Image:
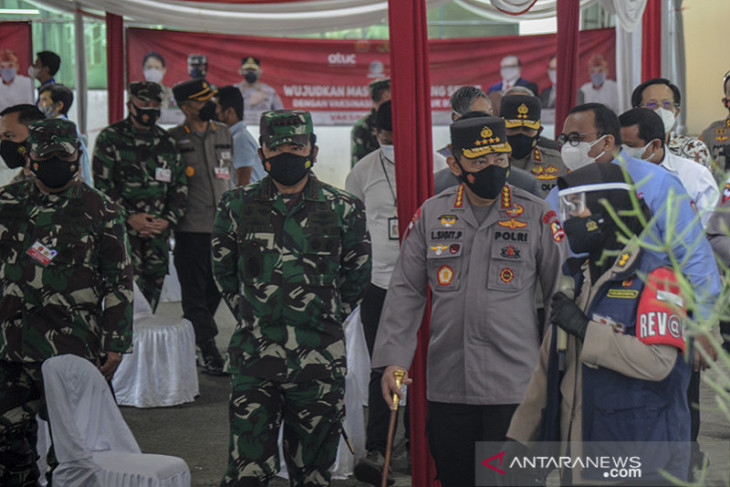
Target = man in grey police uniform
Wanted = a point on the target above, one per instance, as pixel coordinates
(717, 136)
(482, 247)
(206, 148)
(521, 114)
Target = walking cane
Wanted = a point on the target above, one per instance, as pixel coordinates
(399, 374)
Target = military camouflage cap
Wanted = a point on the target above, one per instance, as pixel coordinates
(145, 90)
(46, 136)
(520, 110)
(285, 126)
(378, 83)
(477, 137)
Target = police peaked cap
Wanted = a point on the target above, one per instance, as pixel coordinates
(194, 89)
(520, 110)
(477, 137)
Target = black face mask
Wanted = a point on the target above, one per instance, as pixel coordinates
(287, 168)
(207, 112)
(146, 116)
(13, 153)
(521, 145)
(54, 172)
(586, 234)
(486, 183)
(251, 76)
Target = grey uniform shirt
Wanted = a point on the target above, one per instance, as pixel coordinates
(485, 335)
(545, 165)
(208, 157)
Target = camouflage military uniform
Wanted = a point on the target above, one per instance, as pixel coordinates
(61, 255)
(291, 270)
(363, 137)
(131, 166)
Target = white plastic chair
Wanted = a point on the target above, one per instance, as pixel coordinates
(93, 444)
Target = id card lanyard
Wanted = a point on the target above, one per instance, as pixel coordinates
(392, 222)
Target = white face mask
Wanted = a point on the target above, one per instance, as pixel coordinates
(388, 151)
(153, 74)
(33, 72)
(510, 73)
(553, 75)
(575, 157)
(668, 118)
(636, 152)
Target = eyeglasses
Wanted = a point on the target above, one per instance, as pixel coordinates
(652, 105)
(573, 138)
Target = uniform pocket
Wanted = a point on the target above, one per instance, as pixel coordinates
(258, 258)
(443, 262)
(508, 267)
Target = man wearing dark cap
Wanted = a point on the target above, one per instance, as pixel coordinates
(197, 66)
(482, 248)
(65, 285)
(521, 114)
(137, 164)
(364, 141)
(258, 97)
(291, 256)
(206, 148)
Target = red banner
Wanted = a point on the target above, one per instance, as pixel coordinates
(17, 36)
(330, 77)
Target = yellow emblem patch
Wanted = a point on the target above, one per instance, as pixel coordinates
(445, 275)
(512, 223)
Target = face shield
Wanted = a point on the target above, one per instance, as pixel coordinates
(573, 202)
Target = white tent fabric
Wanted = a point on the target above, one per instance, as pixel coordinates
(495, 9)
(249, 19)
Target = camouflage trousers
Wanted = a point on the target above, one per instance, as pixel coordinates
(150, 258)
(21, 392)
(312, 414)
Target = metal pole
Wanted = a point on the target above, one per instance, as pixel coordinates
(81, 85)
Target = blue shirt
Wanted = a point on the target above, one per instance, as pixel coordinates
(689, 245)
(245, 151)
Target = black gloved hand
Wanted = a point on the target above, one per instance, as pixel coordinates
(568, 316)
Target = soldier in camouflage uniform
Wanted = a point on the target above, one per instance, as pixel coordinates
(137, 164)
(291, 256)
(364, 140)
(521, 114)
(63, 251)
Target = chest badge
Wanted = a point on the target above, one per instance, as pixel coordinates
(506, 275)
(445, 275)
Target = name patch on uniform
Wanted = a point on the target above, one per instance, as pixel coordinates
(623, 293)
(512, 223)
(163, 174)
(506, 275)
(447, 235)
(514, 236)
(41, 253)
(445, 275)
(448, 220)
(510, 252)
(222, 173)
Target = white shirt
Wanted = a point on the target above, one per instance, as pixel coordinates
(697, 181)
(20, 90)
(607, 94)
(368, 181)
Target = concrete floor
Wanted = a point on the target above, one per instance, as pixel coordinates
(198, 431)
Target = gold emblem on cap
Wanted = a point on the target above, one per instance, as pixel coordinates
(522, 110)
(250, 60)
(486, 132)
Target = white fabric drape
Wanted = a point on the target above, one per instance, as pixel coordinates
(628, 46)
(495, 9)
(249, 19)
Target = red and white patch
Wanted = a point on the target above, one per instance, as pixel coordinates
(515, 211)
(661, 311)
(410, 226)
(445, 275)
(549, 216)
(557, 230)
(725, 193)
